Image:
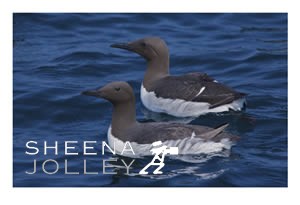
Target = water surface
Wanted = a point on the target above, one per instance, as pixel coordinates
(56, 56)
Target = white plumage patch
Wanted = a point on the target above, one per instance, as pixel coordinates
(187, 146)
(201, 91)
(182, 108)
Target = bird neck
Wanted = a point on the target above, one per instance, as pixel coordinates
(124, 116)
(156, 69)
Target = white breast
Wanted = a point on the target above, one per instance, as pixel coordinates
(182, 108)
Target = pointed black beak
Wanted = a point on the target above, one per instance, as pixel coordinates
(94, 93)
(125, 46)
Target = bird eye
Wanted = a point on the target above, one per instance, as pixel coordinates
(117, 89)
(143, 44)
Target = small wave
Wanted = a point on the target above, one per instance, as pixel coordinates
(211, 175)
(273, 51)
(79, 56)
(260, 29)
(191, 170)
(265, 57)
(201, 158)
(158, 117)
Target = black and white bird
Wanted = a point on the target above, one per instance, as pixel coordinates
(190, 139)
(188, 95)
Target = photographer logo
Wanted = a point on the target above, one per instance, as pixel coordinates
(159, 150)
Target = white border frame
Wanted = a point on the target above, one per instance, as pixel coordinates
(139, 195)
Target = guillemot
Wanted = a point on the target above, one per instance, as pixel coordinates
(125, 128)
(189, 95)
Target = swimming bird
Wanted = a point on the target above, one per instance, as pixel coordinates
(189, 95)
(124, 126)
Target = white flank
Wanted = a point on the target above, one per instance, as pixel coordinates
(186, 146)
(182, 108)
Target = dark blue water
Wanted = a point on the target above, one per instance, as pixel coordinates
(56, 56)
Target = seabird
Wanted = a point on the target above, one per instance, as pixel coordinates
(124, 126)
(188, 95)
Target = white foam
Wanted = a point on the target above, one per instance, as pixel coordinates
(182, 108)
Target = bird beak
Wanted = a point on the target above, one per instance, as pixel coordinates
(94, 93)
(125, 46)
